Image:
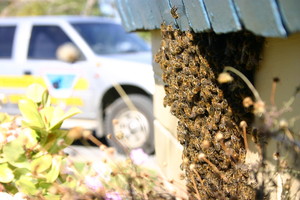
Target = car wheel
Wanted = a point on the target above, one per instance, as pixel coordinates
(135, 126)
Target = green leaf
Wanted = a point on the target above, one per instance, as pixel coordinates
(68, 140)
(13, 150)
(6, 174)
(47, 115)
(51, 142)
(44, 185)
(30, 113)
(52, 197)
(56, 118)
(29, 138)
(46, 100)
(52, 175)
(79, 166)
(72, 183)
(41, 164)
(54, 143)
(39, 154)
(18, 172)
(21, 162)
(27, 185)
(35, 92)
(2, 159)
(41, 132)
(59, 117)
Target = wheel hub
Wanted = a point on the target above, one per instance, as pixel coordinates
(134, 126)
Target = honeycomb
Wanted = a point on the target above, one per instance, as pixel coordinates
(210, 113)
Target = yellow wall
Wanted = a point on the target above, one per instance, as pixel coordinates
(281, 58)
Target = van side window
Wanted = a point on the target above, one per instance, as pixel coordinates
(6, 41)
(45, 40)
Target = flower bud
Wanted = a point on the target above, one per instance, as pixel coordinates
(225, 77)
(247, 102)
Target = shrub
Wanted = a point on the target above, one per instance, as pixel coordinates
(33, 164)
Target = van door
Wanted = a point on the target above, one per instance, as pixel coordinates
(68, 83)
(8, 69)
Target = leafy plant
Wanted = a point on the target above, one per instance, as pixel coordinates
(30, 158)
(33, 164)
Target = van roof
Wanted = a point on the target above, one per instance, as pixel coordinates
(46, 18)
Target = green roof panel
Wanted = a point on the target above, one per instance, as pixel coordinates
(197, 15)
(222, 16)
(269, 18)
(290, 10)
(137, 20)
(126, 17)
(155, 18)
(262, 17)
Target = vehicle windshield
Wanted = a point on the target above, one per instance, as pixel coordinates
(107, 38)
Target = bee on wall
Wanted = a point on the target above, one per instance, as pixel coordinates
(174, 12)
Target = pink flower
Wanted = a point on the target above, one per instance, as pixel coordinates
(138, 156)
(113, 196)
(93, 183)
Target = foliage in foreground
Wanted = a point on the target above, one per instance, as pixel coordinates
(33, 164)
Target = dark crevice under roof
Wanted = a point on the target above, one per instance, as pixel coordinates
(269, 18)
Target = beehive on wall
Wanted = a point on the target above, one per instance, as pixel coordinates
(191, 64)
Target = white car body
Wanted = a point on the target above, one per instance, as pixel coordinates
(86, 83)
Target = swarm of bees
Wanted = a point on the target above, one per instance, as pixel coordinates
(191, 63)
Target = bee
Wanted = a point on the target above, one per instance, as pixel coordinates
(174, 12)
(179, 80)
(168, 28)
(189, 35)
(177, 66)
(190, 96)
(204, 81)
(168, 70)
(174, 109)
(165, 77)
(222, 127)
(164, 45)
(196, 89)
(174, 48)
(206, 94)
(217, 116)
(178, 33)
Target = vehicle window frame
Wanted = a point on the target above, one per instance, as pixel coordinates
(111, 42)
(53, 58)
(11, 40)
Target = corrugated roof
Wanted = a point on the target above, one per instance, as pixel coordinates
(269, 18)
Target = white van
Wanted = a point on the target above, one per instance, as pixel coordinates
(107, 56)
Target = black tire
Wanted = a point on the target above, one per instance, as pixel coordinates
(141, 133)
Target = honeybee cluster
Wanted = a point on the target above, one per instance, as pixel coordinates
(206, 110)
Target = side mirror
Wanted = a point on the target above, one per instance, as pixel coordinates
(68, 52)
